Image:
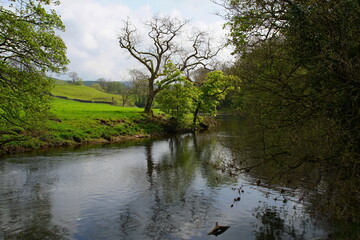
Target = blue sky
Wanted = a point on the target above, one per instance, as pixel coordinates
(92, 27)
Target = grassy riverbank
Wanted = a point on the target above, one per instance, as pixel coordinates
(74, 122)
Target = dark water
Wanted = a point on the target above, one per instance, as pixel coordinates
(152, 189)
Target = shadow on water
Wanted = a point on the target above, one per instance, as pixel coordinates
(150, 189)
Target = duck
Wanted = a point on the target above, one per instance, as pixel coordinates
(218, 229)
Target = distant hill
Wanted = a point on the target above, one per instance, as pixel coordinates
(63, 89)
(60, 82)
(86, 83)
(89, 83)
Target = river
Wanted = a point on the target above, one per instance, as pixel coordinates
(164, 188)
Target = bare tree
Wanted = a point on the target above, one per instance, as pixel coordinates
(102, 81)
(166, 43)
(75, 79)
(140, 86)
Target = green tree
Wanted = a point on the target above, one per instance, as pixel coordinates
(186, 99)
(119, 88)
(253, 22)
(179, 101)
(102, 82)
(29, 48)
(211, 91)
(328, 47)
(96, 86)
(299, 65)
(126, 92)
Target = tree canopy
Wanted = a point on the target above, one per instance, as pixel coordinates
(29, 48)
(299, 63)
(186, 99)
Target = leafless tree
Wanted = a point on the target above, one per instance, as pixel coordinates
(139, 85)
(75, 79)
(166, 42)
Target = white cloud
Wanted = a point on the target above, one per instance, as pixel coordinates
(92, 27)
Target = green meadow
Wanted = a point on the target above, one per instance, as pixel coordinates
(82, 92)
(76, 122)
(72, 122)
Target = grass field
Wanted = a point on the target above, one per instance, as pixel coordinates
(77, 122)
(68, 109)
(70, 91)
(86, 122)
(72, 122)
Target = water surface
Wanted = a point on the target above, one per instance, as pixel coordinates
(151, 189)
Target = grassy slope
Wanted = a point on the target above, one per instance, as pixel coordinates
(61, 88)
(88, 122)
(75, 122)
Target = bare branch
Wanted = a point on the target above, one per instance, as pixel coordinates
(164, 42)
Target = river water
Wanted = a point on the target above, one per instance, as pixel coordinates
(150, 189)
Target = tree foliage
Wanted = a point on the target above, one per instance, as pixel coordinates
(251, 22)
(119, 88)
(186, 98)
(212, 90)
(299, 64)
(29, 48)
(179, 102)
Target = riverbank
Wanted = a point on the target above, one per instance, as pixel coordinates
(76, 123)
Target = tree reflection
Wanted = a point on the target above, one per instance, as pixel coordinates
(171, 206)
(177, 168)
(163, 189)
(26, 205)
(149, 161)
(128, 223)
(36, 231)
(296, 159)
(275, 224)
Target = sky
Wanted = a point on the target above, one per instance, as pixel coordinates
(92, 27)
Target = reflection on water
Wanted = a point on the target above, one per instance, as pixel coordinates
(153, 189)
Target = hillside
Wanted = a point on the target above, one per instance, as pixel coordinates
(74, 123)
(77, 122)
(89, 83)
(85, 122)
(69, 91)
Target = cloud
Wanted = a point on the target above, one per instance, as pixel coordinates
(92, 27)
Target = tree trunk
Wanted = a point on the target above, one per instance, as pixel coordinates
(149, 102)
(124, 100)
(150, 97)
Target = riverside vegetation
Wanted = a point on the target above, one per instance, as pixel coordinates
(72, 122)
(77, 117)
